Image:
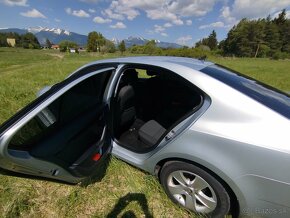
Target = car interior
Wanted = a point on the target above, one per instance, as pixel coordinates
(149, 102)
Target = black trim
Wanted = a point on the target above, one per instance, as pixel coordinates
(271, 97)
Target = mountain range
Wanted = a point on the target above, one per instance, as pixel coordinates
(130, 41)
(56, 35)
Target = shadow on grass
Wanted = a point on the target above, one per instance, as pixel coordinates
(127, 199)
(98, 174)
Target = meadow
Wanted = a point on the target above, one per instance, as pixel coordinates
(124, 191)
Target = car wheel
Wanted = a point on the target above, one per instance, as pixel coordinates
(195, 189)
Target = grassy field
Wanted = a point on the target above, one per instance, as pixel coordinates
(124, 191)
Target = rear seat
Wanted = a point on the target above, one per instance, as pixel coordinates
(151, 132)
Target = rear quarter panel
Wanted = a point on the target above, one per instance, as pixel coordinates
(244, 143)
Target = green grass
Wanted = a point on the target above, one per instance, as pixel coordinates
(124, 190)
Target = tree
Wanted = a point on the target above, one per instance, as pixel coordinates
(259, 38)
(65, 45)
(221, 45)
(3, 40)
(110, 46)
(212, 41)
(95, 41)
(281, 19)
(28, 40)
(48, 43)
(150, 47)
(122, 47)
(272, 36)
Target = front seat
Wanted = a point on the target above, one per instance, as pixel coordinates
(125, 109)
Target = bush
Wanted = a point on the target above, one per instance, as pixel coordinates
(65, 45)
(280, 55)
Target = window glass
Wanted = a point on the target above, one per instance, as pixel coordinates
(78, 102)
(266, 95)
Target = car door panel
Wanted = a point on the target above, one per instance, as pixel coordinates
(59, 134)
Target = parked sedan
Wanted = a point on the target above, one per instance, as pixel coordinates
(217, 141)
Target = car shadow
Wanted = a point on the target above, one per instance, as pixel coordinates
(123, 202)
(99, 173)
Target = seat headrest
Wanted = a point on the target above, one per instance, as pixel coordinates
(129, 76)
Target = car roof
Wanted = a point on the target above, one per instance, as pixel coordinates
(192, 63)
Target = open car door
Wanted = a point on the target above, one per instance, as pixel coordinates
(63, 134)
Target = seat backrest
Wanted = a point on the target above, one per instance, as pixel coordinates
(125, 109)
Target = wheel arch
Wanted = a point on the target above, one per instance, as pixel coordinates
(235, 207)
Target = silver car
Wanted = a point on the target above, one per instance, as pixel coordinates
(217, 141)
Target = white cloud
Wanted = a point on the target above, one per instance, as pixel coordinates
(77, 13)
(252, 9)
(118, 25)
(15, 2)
(191, 7)
(164, 15)
(158, 29)
(118, 11)
(142, 4)
(57, 20)
(218, 24)
(226, 15)
(188, 22)
(101, 20)
(173, 11)
(167, 25)
(91, 10)
(33, 14)
(68, 10)
(177, 22)
(108, 12)
(80, 13)
(184, 40)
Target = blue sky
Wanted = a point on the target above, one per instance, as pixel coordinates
(181, 21)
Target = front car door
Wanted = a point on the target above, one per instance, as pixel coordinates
(63, 134)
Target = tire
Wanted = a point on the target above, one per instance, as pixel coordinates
(195, 189)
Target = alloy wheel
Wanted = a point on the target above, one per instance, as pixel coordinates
(192, 191)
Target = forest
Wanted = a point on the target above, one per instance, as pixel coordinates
(27, 40)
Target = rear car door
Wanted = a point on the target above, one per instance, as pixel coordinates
(63, 134)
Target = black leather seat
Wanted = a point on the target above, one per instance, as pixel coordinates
(125, 109)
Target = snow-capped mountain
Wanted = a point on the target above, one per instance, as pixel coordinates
(57, 31)
(116, 41)
(54, 35)
(132, 40)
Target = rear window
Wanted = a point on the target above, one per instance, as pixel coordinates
(267, 95)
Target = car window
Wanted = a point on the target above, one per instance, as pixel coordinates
(77, 101)
(267, 95)
(142, 74)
